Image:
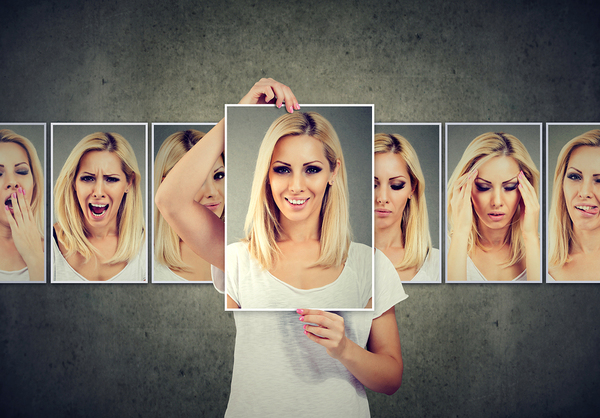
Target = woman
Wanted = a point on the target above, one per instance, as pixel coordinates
(401, 222)
(493, 212)
(574, 214)
(22, 221)
(175, 261)
(298, 247)
(278, 369)
(99, 233)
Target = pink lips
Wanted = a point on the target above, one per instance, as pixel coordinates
(587, 210)
(212, 206)
(496, 216)
(382, 213)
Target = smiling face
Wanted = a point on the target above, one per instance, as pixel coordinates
(581, 188)
(15, 172)
(393, 188)
(212, 192)
(495, 192)
(298, 176)
(100, 185)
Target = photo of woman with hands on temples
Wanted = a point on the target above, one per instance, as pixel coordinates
(303, 363)
(22, 220)
(493, 208)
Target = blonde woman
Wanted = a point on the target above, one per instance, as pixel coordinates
(283, 359)
(22, 221)
(401, 221)
(175, 260)
(99, 233)
(575, 211)
(493, 212)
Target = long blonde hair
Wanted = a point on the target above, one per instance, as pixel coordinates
(561, 225)
(415, 224)
(37, 199)
(130, 219)
(262, 220)
(481, 150)
(166, 245)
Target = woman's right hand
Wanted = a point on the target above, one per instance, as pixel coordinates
(460, 205)
(267, 89)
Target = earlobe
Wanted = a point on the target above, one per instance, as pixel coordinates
(338, 164)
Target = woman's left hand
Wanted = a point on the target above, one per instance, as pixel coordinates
(530, 213)
(328, 330)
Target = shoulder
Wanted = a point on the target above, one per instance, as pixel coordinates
(359, 251)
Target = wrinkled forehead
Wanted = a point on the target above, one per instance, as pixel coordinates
(103, 162)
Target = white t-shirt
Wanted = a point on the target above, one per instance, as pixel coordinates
(252, 287)
(134, 271)
(430, 270)
(279, 372)
(15, 276)
(474, 275)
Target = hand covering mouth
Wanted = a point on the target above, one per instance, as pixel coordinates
(8, 202)
(297, 202)
(98, 210)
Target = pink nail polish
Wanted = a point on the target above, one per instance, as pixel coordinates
(6, 207)
(306, 332)
(304, 326)
(299, 311)
(14, 195)
(301, 318)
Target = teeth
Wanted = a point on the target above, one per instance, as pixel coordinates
(97, 206)
(585, 207)
(296, 202)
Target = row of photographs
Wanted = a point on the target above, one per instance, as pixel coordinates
(98, 228)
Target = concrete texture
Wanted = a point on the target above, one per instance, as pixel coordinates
(150, 351)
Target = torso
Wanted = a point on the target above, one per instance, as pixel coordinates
(396, 255)
(11, 259)
(582, 267)
(200, 268)
(489, 264)
(95, 269)
(294, 266)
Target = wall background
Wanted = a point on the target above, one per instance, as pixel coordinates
(469, 351)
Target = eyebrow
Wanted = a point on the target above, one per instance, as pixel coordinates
(393, 178)
(218, 169)
(105, 175)
(303, 165)
(18, 164)
(489, 182)
(580, 172)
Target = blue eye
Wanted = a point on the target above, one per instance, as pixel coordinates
(397, 186)
(281, 169)
(311, 169)
(219, 175)
(573, 176)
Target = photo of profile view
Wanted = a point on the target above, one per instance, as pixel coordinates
(99, 233)
(174, 260)
(22, 193)
(402, 209)
(299, 245)
(574, 214)
(493, 204)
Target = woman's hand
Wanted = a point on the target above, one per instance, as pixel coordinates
(530, 212)
(460, 205)
(266, 90)
(328, 331)
(26, 236)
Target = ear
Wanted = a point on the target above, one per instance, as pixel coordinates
(338, 164)
(131, 182)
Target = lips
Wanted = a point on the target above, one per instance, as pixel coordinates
(98, 210)
(587, 209)
(212, 206)
(297, 203)
(496, 216)
(383, 213)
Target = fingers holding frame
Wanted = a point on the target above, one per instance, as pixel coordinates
(266, 90)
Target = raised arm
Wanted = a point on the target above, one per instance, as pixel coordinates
(197, 226)
(530, 216)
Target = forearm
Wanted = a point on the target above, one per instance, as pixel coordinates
(532, 258)
(457, 257)
(35, 267)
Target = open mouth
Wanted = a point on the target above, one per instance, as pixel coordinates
(296, 202)
(496, 216)
(590, 210)
(98, 210)
(8, 202)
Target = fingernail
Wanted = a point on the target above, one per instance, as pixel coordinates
(301, 318)
(299, 311)
(279, 106)
(297, 106)
(304, 326)
(305, 332)
(6, 207)
(14, 195)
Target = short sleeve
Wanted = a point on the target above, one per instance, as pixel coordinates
(232, 274)
(388, 287)
(218, 278)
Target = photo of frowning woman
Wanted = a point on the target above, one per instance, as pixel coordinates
(493, 212)
(574, 217)
(22, 219)
(401, 217)
(174, 259)
(282, 359)
(298, 248)
(99, 235)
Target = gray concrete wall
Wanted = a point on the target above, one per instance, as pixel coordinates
(148, 350)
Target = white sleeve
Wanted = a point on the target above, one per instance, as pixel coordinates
(232, 273)
(218, 278)
(388, 287)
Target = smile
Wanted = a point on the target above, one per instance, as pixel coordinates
(98, 210)
(296, 202)
(590, 210)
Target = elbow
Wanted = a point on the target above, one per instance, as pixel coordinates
(394, 383)
(162, 200)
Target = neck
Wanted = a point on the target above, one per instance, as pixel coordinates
(389, 237)
(306, 230)
(102, 232)
(493, 237)
(586, 241)
(5, 231)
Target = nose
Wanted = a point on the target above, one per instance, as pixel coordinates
(207, 190)
(497, 198)
(297, 183)
(381, 195)
(11, 182)
(99, 189)
(585, 190)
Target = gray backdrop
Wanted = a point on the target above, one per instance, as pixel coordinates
(426, 140)
(246, 128)
(154, 351)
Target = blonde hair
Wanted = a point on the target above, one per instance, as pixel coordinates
(37, 199)
(262, 221)
(481, 150)
(166, 244)
(561, 225)
(130, 221)
(415, 224)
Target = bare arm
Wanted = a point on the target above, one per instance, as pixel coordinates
(380, 367)
(197, 226)
(530, 216)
